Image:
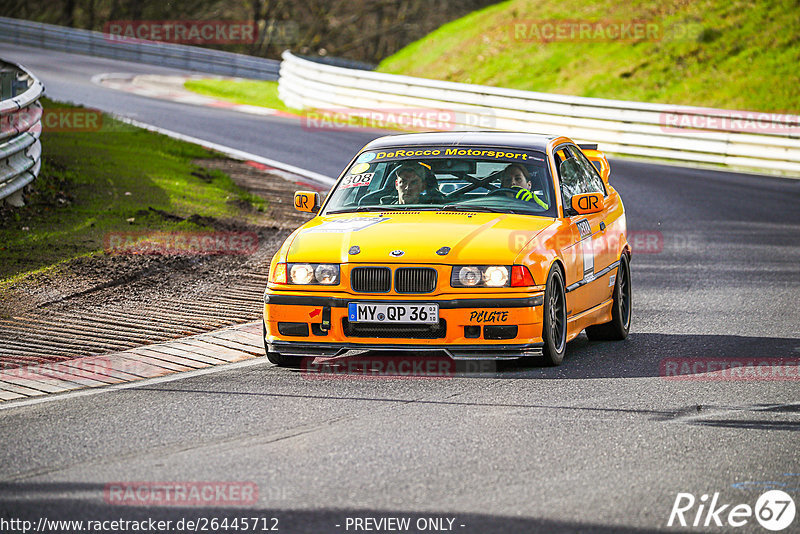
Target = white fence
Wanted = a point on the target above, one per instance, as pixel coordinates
(20, 128)
(757, 141)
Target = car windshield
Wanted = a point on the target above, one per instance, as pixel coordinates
(446, 178)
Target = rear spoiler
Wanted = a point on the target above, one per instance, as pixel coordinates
(597, 158)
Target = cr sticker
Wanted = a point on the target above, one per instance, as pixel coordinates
(358, 180)
(612, 279)
(365, 157)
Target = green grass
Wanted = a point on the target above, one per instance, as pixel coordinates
(718, 53)
(251, 92)
(92, 182)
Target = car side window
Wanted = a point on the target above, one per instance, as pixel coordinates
(570, 175)
(575, 176)
(591, 175)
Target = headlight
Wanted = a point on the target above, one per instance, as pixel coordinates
(480, 276)
(469, 276)
(314, 273)
(301, 273)
(327, 274)
(496, 276)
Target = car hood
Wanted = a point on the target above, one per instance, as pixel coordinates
(473, 237)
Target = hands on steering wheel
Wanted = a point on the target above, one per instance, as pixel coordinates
(502, 190)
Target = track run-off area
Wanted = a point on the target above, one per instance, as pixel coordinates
(602, 443)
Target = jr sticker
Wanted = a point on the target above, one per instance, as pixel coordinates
(365, 157)
(357, 180)
(358, 168)
(353, 224)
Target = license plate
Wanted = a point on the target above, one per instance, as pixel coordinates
(363, 312)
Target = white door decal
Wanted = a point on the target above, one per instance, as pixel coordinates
(587, 249)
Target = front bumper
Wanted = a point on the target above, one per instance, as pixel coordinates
(468, 329)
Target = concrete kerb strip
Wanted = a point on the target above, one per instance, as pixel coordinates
(195, 355)
(131, 368)
(171, 88)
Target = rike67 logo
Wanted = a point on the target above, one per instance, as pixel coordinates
(774, 510)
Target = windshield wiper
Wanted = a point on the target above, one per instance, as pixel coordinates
(461, 207)
(399, 207)
(367, 208)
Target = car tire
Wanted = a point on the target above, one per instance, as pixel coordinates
(554, 324)
(620, 324)
(281, 360)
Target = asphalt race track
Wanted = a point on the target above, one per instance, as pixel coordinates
(603, 443)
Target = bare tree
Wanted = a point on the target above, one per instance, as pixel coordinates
(362, 30)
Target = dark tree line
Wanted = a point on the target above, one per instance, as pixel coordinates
(361, 30)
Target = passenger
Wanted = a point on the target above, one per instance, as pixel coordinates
(516, 176)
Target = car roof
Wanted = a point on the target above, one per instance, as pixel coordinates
(524, 141)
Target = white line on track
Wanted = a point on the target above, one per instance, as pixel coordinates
(232, 152)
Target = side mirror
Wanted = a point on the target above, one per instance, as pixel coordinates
(306, 201)
(600, 163)
(588, 203)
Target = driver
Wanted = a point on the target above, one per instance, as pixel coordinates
(517, 177)
(411, 184)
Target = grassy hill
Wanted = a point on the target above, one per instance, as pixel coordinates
(719, 53)
(116, 180)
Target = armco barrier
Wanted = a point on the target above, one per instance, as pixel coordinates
(688, 134)
(93, 43)
(20, 120)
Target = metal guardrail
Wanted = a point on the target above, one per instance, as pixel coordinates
(680, 133)
(93, 43)
(20, 128)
